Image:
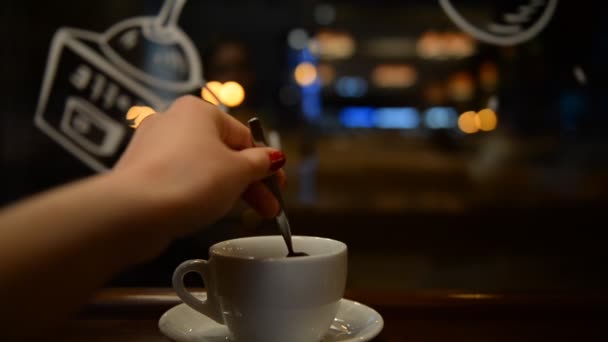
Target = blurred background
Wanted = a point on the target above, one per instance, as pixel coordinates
(450, 144)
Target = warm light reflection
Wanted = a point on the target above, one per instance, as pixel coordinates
(390, 47)
(207, 95)
(467, 122)
(430, 45)
(305, 74)
(472, 296)
(327, 73)
(394, 76)
(486, 120)
(471, 122)
(335, 44)
(434, 93)
(488, 76)
(458, 45)
(137, 114)
(230, 93)
(461, 86)
(437, 45)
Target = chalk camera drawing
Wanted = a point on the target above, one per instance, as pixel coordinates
(92, 79)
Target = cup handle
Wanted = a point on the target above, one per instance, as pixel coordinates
(209, 307)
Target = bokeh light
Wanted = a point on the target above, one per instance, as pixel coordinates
(430, 45)
(351, 86)
(207, 95)
(327, 73)
(335, 44)
(445, 45)
(434, 93)
(392, 48)
(394, 76)
(488, 76)
(230, 93)
(461, 86)
(305, 74)
(137, 114)
(396, 118)
(297, 39)
(467, 122)
(486, 120)
(324, 14)
(440, 117)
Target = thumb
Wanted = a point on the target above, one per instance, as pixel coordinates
(264, 161)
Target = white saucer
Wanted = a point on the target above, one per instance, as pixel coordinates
(354, 322)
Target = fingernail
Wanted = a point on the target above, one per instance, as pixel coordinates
(277, 160)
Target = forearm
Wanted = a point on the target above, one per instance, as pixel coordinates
(181, 170)
(58, 248)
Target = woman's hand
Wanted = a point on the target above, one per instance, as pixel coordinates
(197, 161)
(183, 168)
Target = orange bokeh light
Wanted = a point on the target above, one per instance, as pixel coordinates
(467, 122)
(305, 74)
(230, 93)
(137, 114)
(486, 120)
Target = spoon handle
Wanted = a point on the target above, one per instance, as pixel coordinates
(259, 139)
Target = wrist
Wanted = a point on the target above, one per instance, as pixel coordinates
(155, 190)
(152, 210)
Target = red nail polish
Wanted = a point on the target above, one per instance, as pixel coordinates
(277, 160)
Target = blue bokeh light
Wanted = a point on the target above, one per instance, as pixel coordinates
(357, 117)
(396, 118)
(351, 86)
(441, 117)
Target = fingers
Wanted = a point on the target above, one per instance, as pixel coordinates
(261, 199)
(256, 163)
(232, 132)
(262, 162)
(281, 178)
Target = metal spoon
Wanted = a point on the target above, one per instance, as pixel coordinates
(259, 139)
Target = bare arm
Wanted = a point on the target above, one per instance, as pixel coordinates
(57, 248)
(184, 168)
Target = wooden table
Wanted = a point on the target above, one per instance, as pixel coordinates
(122, 315)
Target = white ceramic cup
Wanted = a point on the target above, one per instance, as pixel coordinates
(261, 295)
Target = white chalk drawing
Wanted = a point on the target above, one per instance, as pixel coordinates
(513, 28)
(92, 79)
(81, 118)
